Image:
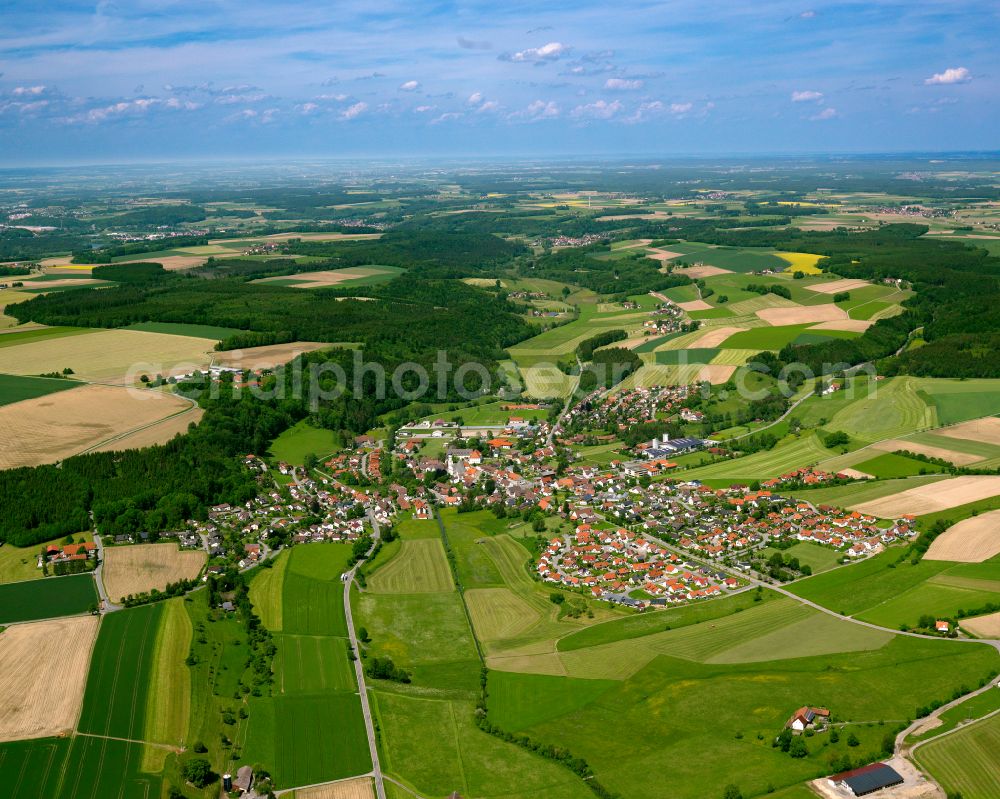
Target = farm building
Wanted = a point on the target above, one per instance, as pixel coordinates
(867, 780)
(805, 717)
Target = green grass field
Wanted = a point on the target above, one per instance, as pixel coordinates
(16, 337)
(965, 762)
(267, 591)
(15, 388)
(420, 568)
(32, 769)
(816, 557)
(673, 357)
(790, 453)
(181, 329)
(302, 439)
(116, 700)
(702, 717)
(313, 596)
(48, 598)
(465, 759)
(890, 466)
(891, 591)
(960, 400)
(168, 708)
(313, 664)
(102, 767)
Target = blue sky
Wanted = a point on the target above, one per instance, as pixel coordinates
(123, 80)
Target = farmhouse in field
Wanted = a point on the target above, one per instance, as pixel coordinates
(806, 717)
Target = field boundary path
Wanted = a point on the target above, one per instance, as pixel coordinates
(359, 672)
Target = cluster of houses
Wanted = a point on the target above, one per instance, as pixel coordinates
(614, 563)
(630, 407)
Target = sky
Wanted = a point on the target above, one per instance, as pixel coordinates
(153, 80)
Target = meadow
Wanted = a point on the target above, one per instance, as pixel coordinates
(45, 599)
(17, 388)
(116, 701)
(965, 762)
(311, 729)
(890, 590)
(301, 440)
(33, 769)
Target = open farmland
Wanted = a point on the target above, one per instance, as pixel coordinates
(360, 788)
(108, 355)
(986, 430)
(155, 433)
(938, 496)
(116, 700)
(33, 769)
(34, 658)
(419, 568)
(139, 568)
(16, 388)
(266, 357)
(965, 761)
(46, 599)
(56, 426)
(970, 541)
(354, 276)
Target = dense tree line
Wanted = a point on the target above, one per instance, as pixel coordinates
(105, 255)
(586, 348)
(617, 278)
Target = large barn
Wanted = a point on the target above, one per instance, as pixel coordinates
(867, 780)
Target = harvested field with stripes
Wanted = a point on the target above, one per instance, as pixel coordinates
(56, 426)
(44, 666)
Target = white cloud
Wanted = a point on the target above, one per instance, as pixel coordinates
(475, 98)
(806, 96)
(538, 109)
(446, 117)
(308, 108)
(488, 107)
(423, 109)
(536, 55)
(338, 97)
(621, 84)
(354, 111)
(409, 86)
(681, 108)
(807, 14)
(21, 91)
(949, 76)
(826, 113)
(599, 110)
(647, 110)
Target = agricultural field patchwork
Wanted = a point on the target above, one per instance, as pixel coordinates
(53, 427)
